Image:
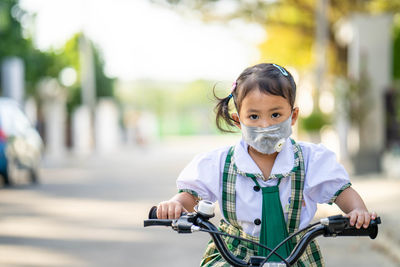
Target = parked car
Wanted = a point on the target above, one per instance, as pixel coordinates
(20, 144)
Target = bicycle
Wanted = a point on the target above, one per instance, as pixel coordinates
(332, 226)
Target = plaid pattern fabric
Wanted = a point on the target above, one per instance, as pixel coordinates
(297, 182)
(192, 192)
(333, 199)
(229, 190)
(244, 250)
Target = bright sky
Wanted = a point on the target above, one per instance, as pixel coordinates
(143, 40)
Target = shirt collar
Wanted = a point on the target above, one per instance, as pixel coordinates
(283, 164)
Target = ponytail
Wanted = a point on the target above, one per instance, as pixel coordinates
(223, 117)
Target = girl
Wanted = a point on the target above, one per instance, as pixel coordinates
(267, 185)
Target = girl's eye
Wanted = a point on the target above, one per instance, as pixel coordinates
(253, 117)
(275, 115)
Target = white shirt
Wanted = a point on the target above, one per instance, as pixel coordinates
(324, 176)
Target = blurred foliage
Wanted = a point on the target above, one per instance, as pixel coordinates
(315, 121)
(355, 98)
(291, 28)
(299, 45)
(104, 84)
(396, 48)
(181, 108)
(70, 56)
(16, 40)
(290, 24)
(396, 64)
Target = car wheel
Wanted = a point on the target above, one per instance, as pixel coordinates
(6, 181)
(11, 172)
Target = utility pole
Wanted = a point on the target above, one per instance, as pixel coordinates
(84, 116)
(12, 79)
(88, 81)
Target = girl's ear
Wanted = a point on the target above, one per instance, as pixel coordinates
(235, 117)
(295, 115)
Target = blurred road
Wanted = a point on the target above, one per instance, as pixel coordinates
(89, 212)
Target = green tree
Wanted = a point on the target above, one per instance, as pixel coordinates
(291, 28)
(181, 108)
(16, 41)
(291, 24)
(396, 49)
(70, 57)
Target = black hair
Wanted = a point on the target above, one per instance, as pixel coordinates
(267, 77)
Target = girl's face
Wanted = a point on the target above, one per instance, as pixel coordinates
(262, 110)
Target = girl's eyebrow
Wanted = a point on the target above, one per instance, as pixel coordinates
(272, 109)
(276, 108)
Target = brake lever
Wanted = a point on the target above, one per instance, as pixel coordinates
(184, 224)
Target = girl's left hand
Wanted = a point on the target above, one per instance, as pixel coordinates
(361, 217)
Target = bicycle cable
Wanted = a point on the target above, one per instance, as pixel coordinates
(247, 240)
(286, 239)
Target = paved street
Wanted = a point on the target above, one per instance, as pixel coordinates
(89, 212)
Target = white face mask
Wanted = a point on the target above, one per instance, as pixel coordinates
(270, 139)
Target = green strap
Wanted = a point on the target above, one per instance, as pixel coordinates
(297, 183)
(229, 191)
(256, 182)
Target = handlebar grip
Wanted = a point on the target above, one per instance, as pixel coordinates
(154, 221)
(371, 231)
(153, 213)
(157, 222)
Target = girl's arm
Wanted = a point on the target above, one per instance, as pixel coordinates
(350, 202)
(172, 209)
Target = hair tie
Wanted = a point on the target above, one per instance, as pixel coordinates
(282, 70)
(232, 89)
(233, 86)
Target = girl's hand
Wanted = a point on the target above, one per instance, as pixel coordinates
(359, 217)
(170, 209)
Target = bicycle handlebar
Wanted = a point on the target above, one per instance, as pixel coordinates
(157, 222)
(330, 227)
(340, 226)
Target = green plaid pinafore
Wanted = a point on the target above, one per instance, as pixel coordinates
(243, 250)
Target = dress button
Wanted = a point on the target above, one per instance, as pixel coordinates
(256, 188)
(257, 221)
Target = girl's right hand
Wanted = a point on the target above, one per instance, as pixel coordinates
(170, 209)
